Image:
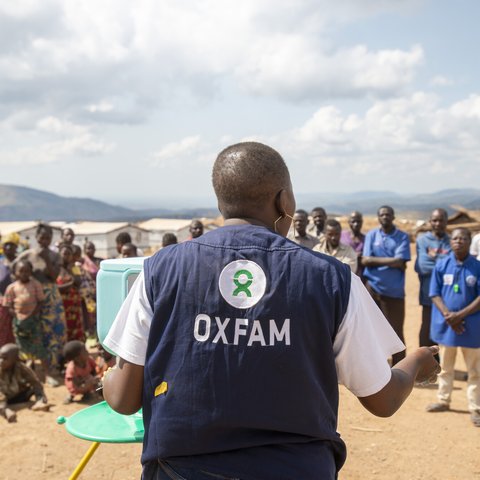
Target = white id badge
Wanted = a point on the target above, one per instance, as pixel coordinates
(448, 279)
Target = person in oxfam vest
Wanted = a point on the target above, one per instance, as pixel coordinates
(234, 343)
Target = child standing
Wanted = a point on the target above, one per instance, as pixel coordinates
(68, 282)
(91, 263)
(80, 374)
(24, 298)
(18, 383)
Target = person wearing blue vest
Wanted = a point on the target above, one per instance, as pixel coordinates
(234, 342)
(455, 293)
(385, 255)
(431, 247)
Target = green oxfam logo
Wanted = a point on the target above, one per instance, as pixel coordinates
(242, 283)
(242, 287)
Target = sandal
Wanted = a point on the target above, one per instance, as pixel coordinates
(438, 407)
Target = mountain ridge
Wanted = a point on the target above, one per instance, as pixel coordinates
(19, 203)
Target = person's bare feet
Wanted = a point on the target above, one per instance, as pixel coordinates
(40, 406)
(475, 418)
(10, 415)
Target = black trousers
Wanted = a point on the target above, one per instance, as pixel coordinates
(424, 339)
(394, 311)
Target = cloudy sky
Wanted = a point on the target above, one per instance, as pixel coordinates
(130, 102)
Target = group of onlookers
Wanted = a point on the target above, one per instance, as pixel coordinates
(448, 268)
(48, 296)
(126, 248)
(47, 311)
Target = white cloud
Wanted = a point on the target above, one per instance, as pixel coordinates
(440, 167)
(175, 151)
(100, 107)
(393, 140)
(66, 55)
(296, 69)
(324, 162)
(441, 81)
(391, 144)
(50, 141)
(52, 152)
(468, 108)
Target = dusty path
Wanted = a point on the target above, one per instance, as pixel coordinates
(411, 445)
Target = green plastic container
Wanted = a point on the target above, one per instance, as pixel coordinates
(114, 281)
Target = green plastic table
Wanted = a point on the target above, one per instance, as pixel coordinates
(100, 424)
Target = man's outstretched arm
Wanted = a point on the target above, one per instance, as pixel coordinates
(419, 366)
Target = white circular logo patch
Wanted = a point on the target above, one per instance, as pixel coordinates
(471, 280)
(242, 283)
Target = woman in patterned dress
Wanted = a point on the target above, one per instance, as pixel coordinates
(46, 267)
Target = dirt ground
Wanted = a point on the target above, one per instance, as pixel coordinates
(412, 444)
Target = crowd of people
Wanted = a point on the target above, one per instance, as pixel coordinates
(48, 297)
(448, 268)
(47, 312)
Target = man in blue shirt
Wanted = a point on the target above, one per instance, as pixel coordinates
(385, 256)
(431, 247)
(455, 293)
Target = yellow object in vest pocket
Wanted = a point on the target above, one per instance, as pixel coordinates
(161, 389)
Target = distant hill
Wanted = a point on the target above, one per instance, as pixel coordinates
(22, 203)
(368, 202)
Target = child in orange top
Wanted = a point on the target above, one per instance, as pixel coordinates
(80, 374)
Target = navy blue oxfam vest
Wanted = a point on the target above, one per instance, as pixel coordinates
(240, 374)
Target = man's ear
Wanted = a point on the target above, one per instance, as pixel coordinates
(281, 202)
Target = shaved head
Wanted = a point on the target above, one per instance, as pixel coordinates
(462, 230)
(442, 212)
(247, 175)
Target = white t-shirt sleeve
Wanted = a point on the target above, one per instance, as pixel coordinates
(475, 246)
(364, 342)
(128, 335)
